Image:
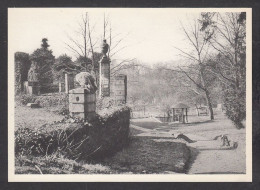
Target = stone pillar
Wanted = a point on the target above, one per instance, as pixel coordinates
(104, 74)
(82, 104)
(61, 87)
(69, 82)
(118, 89)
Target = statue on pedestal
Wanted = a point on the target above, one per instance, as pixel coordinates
(105, 48)
(87, 79)
(33, 75)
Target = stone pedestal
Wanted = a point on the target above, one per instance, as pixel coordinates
(104, 74)
(82, 104)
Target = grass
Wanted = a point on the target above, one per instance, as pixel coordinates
(145, 155)
(148, 123)
(55, 165)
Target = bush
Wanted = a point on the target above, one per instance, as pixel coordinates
(25, 99)
(104, 135)
(235, 106)
(53, 100)
(59, 101)
(22, 65)
(105, 102)
(55, 164)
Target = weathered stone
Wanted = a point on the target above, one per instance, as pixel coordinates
(118, 90)
(82, 104)
(33, 105)
(104, 80)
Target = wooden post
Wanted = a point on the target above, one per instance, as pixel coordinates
(187, 115)
(183, 115)
(173, 114)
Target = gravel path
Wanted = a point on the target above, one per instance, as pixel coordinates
(210, 156)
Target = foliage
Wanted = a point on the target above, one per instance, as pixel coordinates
(226, 33)
(58, 102)
(29, 142)
(25, 99)
(104, 102)
(81, 61)
(22, 66)
(45, 60)
(99, 137)
(235, 105)
(55, 164)
(53, 100)
(63, 64)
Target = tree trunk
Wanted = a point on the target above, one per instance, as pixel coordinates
(210, 105)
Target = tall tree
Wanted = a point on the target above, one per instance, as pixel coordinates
(226, 33)
(45, 60)
(196, 72)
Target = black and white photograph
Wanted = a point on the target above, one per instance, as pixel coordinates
(129, 94)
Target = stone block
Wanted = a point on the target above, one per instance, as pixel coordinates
(33, 105)
(81, 103)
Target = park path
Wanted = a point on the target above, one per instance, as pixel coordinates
(208, 155)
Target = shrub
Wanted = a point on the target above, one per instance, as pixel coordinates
(235, 106)
(105, 102)
(53, 100)
(22, 65)
(58, 101)
(25, 99)
(105, 134)
(55, 164)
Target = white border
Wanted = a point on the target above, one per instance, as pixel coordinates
(12, 177)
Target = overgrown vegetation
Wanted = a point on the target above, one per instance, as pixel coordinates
(44, 59)
(22, 66)
(58, 102)
(226, 34)
(55, 164)
(75, 139)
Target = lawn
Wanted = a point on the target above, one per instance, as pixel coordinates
(142, 155)
(146, 155)
(152, 148)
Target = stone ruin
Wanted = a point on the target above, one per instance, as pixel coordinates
(32, 85)
(82, 100)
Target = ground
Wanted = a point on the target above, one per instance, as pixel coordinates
(208, 155)
(154, 148)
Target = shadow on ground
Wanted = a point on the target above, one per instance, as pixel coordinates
(145, 155)
(193, 155)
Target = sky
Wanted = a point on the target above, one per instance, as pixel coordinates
(149, 35)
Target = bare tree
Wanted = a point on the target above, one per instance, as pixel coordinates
(226, 33)
(196, 72)
(86, 45)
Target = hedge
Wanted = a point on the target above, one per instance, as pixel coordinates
(106, 134)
